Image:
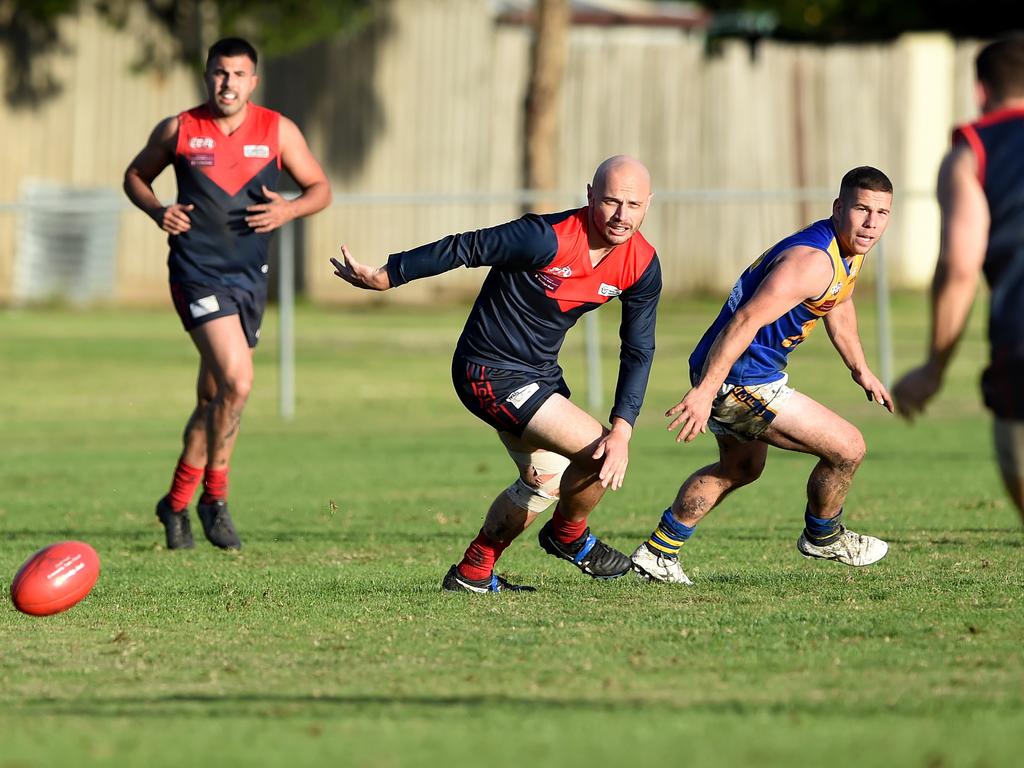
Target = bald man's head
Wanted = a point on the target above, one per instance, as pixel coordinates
(618, 200)
(624, 164)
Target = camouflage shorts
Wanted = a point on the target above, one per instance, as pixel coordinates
(745, 411)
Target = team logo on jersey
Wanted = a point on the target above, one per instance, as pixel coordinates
(735, 296)
(560, 271)
(256, 150)
(204, 306)
(837, 288)
(522, 394)
(201, 142)
(608, 290)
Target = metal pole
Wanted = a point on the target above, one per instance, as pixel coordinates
(884, 323)
(286, 319)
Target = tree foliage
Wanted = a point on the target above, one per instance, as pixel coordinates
(183, 30)
(862, 20)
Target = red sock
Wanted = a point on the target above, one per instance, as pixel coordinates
(215, 485)
(183, 486)
(567, 531)
(478, 562)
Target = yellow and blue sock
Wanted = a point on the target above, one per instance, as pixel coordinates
(820, 531)
(669, 536)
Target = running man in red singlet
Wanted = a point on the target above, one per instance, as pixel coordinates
(981, 197)
(227, 155)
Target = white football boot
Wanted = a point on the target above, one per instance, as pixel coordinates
(850, 548)
(658, 567)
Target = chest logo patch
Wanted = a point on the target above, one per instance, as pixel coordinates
(200, 159)
(548, 282)
(256, 150)
(560, 271)
(201, 142)
(608, 290)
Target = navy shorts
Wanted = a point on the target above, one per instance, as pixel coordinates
(506, 400)
(197, 304)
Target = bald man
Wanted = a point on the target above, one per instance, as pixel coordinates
(547, 271)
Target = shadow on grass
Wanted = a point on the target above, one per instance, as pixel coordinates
(303, 706)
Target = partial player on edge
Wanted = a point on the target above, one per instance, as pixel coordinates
(981, 198)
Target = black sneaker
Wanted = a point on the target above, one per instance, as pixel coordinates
(588, 553)
(176, 525)
(454, 582)
(217, 525)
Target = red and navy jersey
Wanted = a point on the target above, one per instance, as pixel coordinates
(541, 282)
(997, 141)
(222, 175)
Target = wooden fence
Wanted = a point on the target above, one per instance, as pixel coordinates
(428, 101)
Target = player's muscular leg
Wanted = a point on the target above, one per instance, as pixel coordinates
(809, 427)
(195, 437)
(561, 427)
(226, 353)
(738, 464)
(1009, 445)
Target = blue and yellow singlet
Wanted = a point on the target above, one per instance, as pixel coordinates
(766, 357)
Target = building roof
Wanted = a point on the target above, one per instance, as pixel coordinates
(647, 13)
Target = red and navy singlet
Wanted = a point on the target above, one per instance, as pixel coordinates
(222, 175)
(997, 141)
(541, 282)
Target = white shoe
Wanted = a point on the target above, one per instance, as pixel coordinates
(850, 548)
(659, 567)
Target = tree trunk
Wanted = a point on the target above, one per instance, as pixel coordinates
(547, 68)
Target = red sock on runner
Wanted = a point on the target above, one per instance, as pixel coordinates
(215, 485)
(567, 531)
(183, 486)
(478, 562)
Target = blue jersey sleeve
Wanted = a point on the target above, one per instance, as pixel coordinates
(639, 311)
(524, 244)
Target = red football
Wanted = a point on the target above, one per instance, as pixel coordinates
(55, 578)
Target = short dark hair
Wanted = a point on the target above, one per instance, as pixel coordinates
(864, 177)
(231, 46)
(1000, 66)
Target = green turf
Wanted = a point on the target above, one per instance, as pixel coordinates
(327, 640)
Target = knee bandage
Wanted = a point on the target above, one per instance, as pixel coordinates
(528, 497)
(540, 474)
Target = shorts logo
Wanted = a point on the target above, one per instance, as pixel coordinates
(204, 306)
(256, 150)
(201, 142)
(522, 394)
(559, 271)
(200, 159)
(608, 290)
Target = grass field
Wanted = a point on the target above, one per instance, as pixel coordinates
(328, 641)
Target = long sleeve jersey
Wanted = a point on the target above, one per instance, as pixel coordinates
(541, 282)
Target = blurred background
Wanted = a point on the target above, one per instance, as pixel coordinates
(434, 116)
